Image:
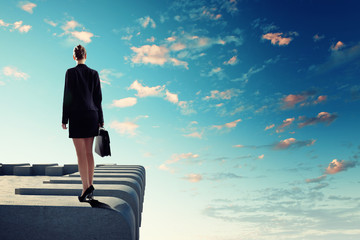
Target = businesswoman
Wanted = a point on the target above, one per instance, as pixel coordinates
(82, 108)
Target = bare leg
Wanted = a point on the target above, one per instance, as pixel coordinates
(90, 159)
(80, 147)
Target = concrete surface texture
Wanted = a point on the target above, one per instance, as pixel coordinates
(40, 207)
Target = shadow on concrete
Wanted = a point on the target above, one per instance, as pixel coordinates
(97, 204)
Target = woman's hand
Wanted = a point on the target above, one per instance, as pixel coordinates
(64, 126)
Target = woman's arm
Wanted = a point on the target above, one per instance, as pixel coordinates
(98, 98)
(67, 100)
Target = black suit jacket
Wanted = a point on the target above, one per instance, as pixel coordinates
(82, 92)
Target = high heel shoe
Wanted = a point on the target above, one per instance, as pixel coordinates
(88, 192)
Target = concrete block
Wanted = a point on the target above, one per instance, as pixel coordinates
(54, 171)
(8, 169)
(23, 171)
(39, 169)
(70, 168)
(72, 220)
(123, 192)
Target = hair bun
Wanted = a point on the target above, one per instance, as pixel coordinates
(79, 52)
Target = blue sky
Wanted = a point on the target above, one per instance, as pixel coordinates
(245, 113)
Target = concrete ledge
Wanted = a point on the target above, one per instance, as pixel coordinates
(23, 171)
(8, 169)
(54, 171)
(39, 169)
(74, 221)
(104, 181)
(70, 168)
(129, 170)
(116, 175)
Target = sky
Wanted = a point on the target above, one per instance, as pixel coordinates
(244, 113)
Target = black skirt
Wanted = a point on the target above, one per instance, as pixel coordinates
(84, 124)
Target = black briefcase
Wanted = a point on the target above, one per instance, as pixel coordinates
(102, 143)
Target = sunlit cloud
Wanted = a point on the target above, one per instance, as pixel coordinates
(287, 122)
(261, 156)
(269, 127)
(292, 142)
(164, 167)
(232, 61)
(27, 6)
(145, 91)
(193, 177)
(177, 157)
(227, 125)
(147, 21)
(124, 102)
(239, 146)
(337, 166)
(322, 117)
(318, 37)
(14, 73)
(316, 180)
(337, 46)
(338, 57)
(277, 39)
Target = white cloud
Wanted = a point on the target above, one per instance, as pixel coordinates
(83, 36)
(228, 94)
(177, 157)
(14, 72)
(145, 91)
(157, 55)
(171, 97)
(124, 102)
(269, 127)
(194, 135)
(152, 39)
(69, 29)
(261, 156)
(50, 22)
(4, 24)
(145, 21)
(178, 46)
(193, 177)
(106, 74)
(124, 128)
(70, 25)
(164, 167)
(28, 7)
(21, 28)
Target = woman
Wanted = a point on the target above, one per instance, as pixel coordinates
(82, 108)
